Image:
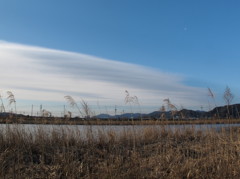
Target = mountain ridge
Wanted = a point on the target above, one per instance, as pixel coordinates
(231, 111)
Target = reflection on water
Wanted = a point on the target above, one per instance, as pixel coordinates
(95, 129)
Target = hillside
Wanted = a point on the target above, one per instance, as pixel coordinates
(218, 112)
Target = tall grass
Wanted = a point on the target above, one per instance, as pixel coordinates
(149, 153)
(211, 94)
(11, 99)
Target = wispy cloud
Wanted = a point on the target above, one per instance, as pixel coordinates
(36, 73)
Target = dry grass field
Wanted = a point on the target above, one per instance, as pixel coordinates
(151, 153)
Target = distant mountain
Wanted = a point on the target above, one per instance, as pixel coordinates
(122, 116)
(8, 114)
(233, 111)
(131, 115)
(103, 116)
(221, 112)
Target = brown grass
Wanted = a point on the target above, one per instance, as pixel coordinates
(150, 153)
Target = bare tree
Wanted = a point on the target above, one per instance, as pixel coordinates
(228, 97)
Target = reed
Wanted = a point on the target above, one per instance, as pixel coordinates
(149, 153)
(11, 99)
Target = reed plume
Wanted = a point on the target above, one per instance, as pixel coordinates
(211, 94)
(86, 109)
(73, 103)
(132, 100)
(2, 106)
(11, 100)
(171, 107)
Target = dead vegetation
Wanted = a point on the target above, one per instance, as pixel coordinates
(150, 153)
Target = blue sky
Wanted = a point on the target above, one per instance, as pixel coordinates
(164, 48)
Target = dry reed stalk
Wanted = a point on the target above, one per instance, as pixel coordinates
(211, 94)
(132, 100)
(171, 107)
(11, 99)
(2, 105)
(73, 103)
(86, 109)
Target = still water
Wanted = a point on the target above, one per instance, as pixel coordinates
(96, 129)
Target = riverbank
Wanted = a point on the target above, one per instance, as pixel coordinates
(150, 153)
(78, 121)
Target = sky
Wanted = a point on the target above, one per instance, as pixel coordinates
(95, 50)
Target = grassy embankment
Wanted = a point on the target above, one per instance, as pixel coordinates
(151, 153)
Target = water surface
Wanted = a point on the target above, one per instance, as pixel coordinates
(95, 129)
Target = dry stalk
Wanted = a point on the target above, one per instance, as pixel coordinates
(211, 94)
(132, 100)
(86, 109)
(2, 106)
(73, 103)
(11, 100)
(171, 107)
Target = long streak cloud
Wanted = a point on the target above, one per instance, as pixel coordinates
(36, 73)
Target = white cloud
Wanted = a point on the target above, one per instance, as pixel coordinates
(35, 73)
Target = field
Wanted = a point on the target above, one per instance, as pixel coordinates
(151, 153)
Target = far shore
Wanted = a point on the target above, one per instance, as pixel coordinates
(79, 121)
